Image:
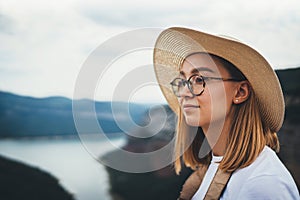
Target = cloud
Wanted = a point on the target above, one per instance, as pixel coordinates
(6, 24)
(45, 43)
(272, 30)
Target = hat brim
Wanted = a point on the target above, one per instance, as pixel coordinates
(174, 44)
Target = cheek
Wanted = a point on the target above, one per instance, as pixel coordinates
(217, 102)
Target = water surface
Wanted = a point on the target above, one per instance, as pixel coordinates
(66, 159)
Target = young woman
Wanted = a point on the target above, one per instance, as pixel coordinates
(227, 98)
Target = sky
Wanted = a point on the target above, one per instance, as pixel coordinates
(44, 44)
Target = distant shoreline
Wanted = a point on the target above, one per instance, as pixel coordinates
(65, 137)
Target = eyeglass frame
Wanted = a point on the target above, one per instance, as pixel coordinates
(204, 78)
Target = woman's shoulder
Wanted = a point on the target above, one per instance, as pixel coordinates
(265, 177)
(268, 187)
(266, 164)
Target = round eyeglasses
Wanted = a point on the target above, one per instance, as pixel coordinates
(196, 84)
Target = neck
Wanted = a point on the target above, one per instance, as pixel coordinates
(216, 135)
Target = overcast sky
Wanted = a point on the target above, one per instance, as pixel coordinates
(43, 44)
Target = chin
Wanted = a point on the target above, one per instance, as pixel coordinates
(191, 121)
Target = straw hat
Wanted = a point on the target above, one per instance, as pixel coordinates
(174, 44)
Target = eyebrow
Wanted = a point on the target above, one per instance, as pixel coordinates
(198, 69)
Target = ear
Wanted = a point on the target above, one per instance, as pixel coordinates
(242, 92)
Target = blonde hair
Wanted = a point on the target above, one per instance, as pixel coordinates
(247, 137)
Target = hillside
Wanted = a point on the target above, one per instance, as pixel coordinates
(290, 82)
(27, 116)
(289, 133)
(19, 181)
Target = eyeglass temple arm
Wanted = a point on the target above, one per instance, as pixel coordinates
(223, 79)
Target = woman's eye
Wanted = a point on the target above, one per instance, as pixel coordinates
(198, 80)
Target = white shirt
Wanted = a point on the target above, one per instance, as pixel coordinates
(265, 178)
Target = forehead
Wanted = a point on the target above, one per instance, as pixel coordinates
(204, 64)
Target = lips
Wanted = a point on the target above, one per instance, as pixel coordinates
(190, 106)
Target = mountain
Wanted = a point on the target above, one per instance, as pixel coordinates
(289, 133)
(289, 79)
(28, 116)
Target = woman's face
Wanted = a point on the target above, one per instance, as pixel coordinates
(214, 104)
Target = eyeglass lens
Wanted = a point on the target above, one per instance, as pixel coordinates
(195, 85)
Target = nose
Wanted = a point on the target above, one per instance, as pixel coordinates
(185, 92)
